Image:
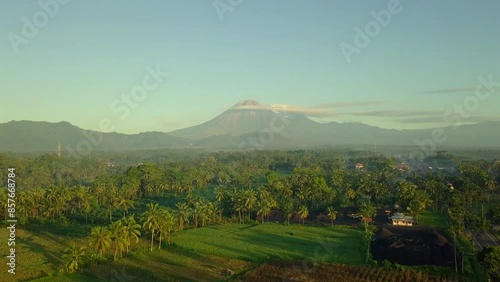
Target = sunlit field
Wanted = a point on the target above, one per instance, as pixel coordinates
(202, 254)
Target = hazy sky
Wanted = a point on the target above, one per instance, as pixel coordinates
(426, 59)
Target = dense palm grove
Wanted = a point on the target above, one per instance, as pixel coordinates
(116, 203)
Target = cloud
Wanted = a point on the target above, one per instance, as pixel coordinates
(439, 119)
(352, 104)
(251, 107)
(391, 113)
(290, 109)
(323, 110)
(312, 111)
(450, 91)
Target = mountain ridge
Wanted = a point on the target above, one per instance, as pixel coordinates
(247, 123)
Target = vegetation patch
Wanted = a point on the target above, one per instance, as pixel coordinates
(297, 271)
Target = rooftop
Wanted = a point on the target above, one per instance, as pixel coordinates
(399, 215)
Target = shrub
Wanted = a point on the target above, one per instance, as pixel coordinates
(386, 264)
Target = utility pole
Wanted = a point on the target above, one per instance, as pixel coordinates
(59, 150)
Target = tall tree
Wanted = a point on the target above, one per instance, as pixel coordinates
(167, 226)
(74, 257)
(183, 214)
(100, 239)
(213, 211)
(489, 257)
(118, 238)
(332, 214)
(288, 210)
(131, 230)
(250, 200)
(303, 213)
(124, 202)
(150, 219)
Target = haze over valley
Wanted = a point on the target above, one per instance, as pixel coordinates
(250, 141)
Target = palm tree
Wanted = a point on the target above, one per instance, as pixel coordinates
(74, 257)
(219, 194)
(28, 208)
(100, 239)
(86, 205)
(80, 193)
(267, 203)
(368, 211)
(332, 214)
(131, 230)
(151, 218)
(99, 190)
(111, 203)
(262, 210)
(118, 238)
(38, 195)
(167, 226)
(491, 184)
(126, 203)
(303, 213)
(350, 195)
(419, 203)
(60, 205)
(182, 213)
(288, 210)
(239, 206)
(213, 212)
(50, 202)
(204, 212)
(199, 212)
(250, 200)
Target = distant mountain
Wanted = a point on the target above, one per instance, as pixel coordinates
(245, 117)
(247, 124)
(31, 136)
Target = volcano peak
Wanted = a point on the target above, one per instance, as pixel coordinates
(247, 103)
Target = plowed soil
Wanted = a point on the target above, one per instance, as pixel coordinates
(413, 246)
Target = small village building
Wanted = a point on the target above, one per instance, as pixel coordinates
(402, 167)
(401, 219)
(359, 166)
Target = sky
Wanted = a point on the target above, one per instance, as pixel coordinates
(75, 60)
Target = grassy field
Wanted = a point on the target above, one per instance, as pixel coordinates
(201, 254)
(204, 254)
(471, 263)
(37, 255)
(261, 242)
(434, 220)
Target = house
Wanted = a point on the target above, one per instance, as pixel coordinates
(354, 215)
(359, 166)
(402, 167)
(401, 219)
(367, 219)
(450, 186)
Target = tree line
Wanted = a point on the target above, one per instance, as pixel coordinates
(119, 202)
